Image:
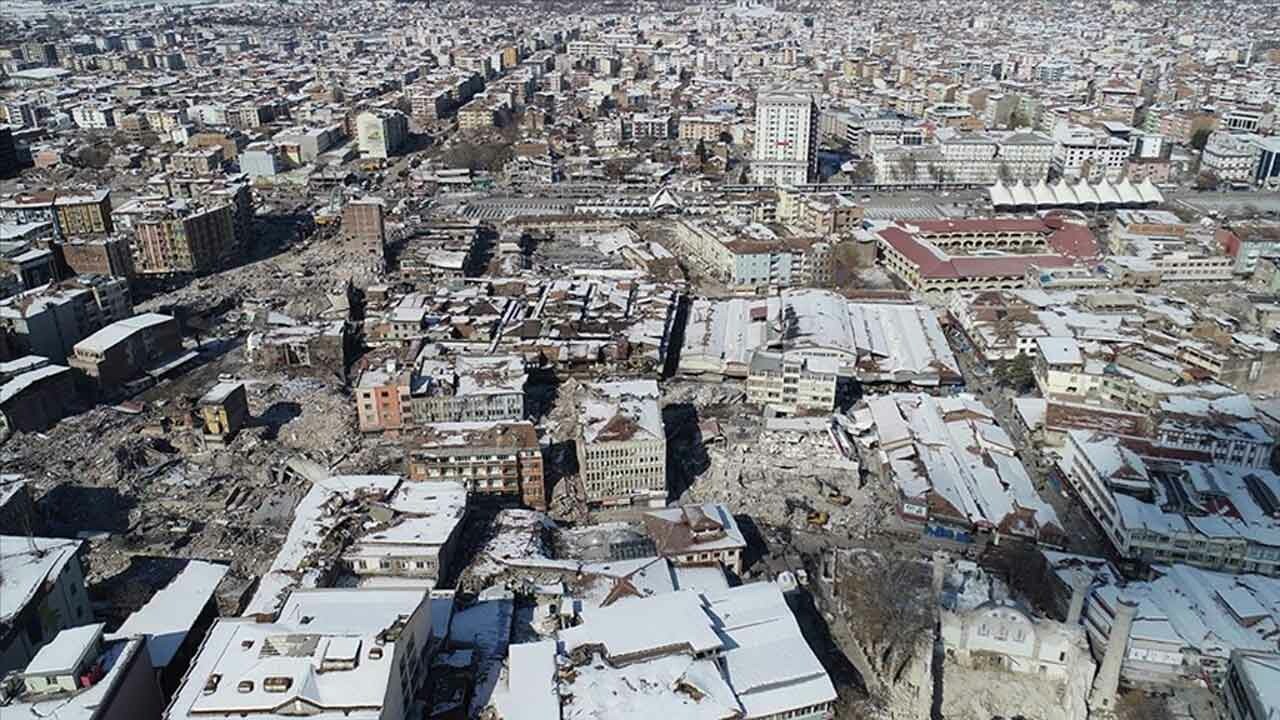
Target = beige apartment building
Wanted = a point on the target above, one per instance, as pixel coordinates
(788, 385)
(622, 447)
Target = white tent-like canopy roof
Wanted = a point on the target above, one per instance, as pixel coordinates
(1022, 195)
(1107, 193)
(1043, 195)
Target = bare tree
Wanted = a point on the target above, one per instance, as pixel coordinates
(889, 604)
(907, 167)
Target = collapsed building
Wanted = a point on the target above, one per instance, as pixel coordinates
(871, 342)
(326, 347)
(955, 470)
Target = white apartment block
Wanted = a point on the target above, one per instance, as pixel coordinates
(786, 139)
(380, 134)
(754, 256)
(969, 158)
(789, 385)
(1230, 157)
(332, 652)
(622, 446)
(1092, 156)
(92, 116)
(1121, 489)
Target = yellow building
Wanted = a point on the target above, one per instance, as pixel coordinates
(223, 411)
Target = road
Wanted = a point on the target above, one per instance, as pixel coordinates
(1083, 533)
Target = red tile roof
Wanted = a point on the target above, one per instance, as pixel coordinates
(933, 263)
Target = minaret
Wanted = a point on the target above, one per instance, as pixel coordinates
(1102, 699)
(1080, 583)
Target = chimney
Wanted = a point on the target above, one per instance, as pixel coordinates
(1102, 699)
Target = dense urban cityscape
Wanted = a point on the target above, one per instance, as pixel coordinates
(734, 360)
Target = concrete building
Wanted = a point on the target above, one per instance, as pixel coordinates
(464, 388)
(85, 675)
(224, 411)
(621, 446)
(262, 159)
(198, 161)
(381, 133)
(107, 256)
(786, 139)
(87, 213)
(176, 619)
(34, 394)
(8, 152)
(487, 458)
(1092, 156)
(418, 539)
(1251, 690)
(303, 145)
(363, 224)
(122, 350)
(50, 320)
(1247, 241)
(1120, 481)
(179, 237)
(795, 385)
(326, 347)
(331, 652)
(694, 535)
(43, 593)
(1231, 158)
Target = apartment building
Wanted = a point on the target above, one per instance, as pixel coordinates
(178, 236)
(693, 129)
(466, 388)
(621, 443)
(262, 159)
(50, 320)
(34, 394)
(786, 139)
(122, 350)
(487, 458)
(419, 539)
(1089, 155)
(44, 593)
(381, 133)
(363, 224)
(83, 213)
(328, 651)
(789, 385)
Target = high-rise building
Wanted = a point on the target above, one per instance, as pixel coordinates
(786, 149)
